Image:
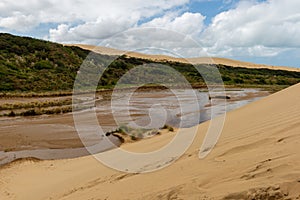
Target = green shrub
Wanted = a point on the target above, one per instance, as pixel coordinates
(170, 128)
(43, 64)
(133, 137)
(12, 114)
(31, 112)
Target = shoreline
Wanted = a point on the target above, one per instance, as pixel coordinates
(49, 94)
(65, 140)
(35, 105)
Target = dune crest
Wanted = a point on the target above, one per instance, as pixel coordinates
(200, 60)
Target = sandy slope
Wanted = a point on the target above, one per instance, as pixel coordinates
(214, 60)
(259, 147)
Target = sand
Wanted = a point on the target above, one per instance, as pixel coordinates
(200, 60)
(257, 156)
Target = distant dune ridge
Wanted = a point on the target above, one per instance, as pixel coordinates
(257, 157)
(201, 60)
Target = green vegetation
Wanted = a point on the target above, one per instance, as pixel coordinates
(128, 134)
(48, 107)
(35, 104)
(32, 67)
(38, 111)
(13, 94)
(133, 133)
(28, 64)
(170, 128)
(238, 75)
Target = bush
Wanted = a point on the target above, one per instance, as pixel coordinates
(44, 64)
(170, 128)
(226, 78)
(29, 113)
(133, 137)
(238, 80)
(12, 114)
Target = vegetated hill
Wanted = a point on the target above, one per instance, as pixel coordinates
(28, 64)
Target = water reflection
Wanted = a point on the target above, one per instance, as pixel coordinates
(184, 108)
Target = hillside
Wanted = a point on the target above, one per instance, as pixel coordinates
(34, 65)
(28, 64)
(257, 157)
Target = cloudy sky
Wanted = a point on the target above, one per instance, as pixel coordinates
(261, 31)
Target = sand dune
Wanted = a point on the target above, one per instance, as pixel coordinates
(257, 157)
(205, 60)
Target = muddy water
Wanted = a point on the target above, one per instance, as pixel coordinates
(182, 108)
(151, 109)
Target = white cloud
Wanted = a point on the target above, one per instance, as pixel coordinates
(155, 40)
(249, 29)
(18, 22)
(90, 32)
(173, 22)
(188, 23)
(258, 29)
(170, 34)
(68, 11)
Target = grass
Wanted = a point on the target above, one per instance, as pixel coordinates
(24, 94)
(35, 104)
(129, 134)
(38, 111)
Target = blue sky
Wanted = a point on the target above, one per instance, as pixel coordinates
(250, 30)
(210, 8)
